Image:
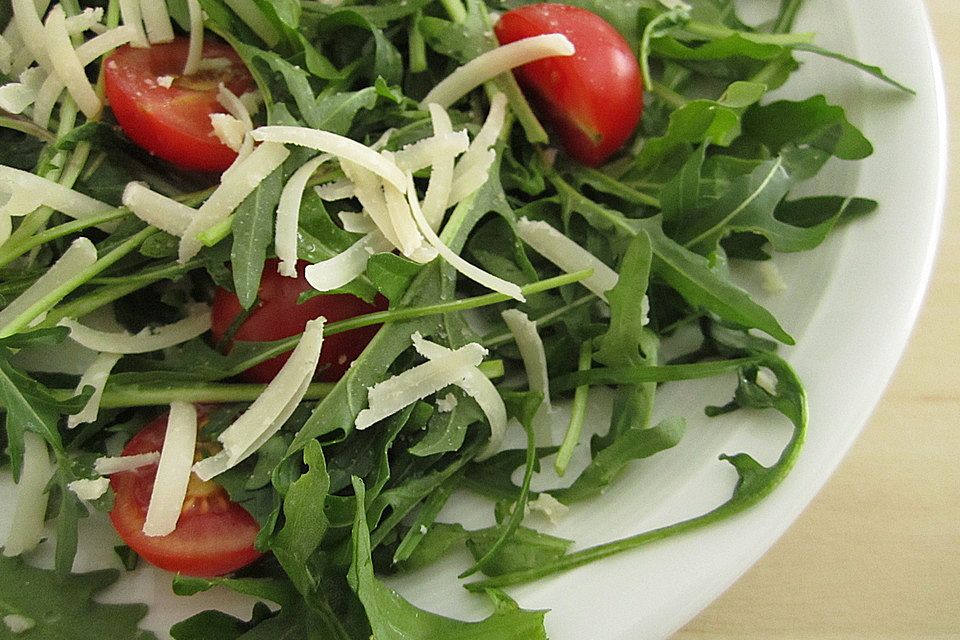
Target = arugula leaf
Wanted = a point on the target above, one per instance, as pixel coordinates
(63, 606)
(393, 618)
(252, 234)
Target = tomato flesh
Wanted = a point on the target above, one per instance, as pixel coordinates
(214, 536)
(173, 122)
(277, 315)
(593, 99)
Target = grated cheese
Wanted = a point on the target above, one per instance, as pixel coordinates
(486, 137)
(105, 465)
(369, 191)
(67, 65)
(30, 191)
(165, 81)
(393, 394)
(492, 63)
(228, 130)
(16, 96)
(131, 16)
(767, 380)
(89, 488)
(17, 623)
(288, 215)
(80, 255)
(437, 198)
(356, 222)
(477, 386)
(95, 376)
(447, 403)
(771, 279)
(336, 190)
(90, 19)
(549, 506)
(26, 527)
(271, 409)
(424, 153)
(411, 242)
(340, 146)
(157, 209)
(344, 267)
(567, 254)
(156, 20)
(27, 19)
(173, 470)
(195, 51)
(235, 185)
(473, 272)
(6, 55)
(164, 337)
(534, 358)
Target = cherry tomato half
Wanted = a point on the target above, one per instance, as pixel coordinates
(592, 99)
(277, 315)
(167, 113)
(214, 536)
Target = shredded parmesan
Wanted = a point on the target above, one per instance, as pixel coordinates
(156, 19)
(288, 215)
(269, 411)
(106, 465)
(393, 394)
(173, 470)
(336, 190)
(369, 191)
(424, 153)
(767, 380)
(437, 198)
(17, 96)
(66, 63)
(344, 267)
(356, 222)
(477, 386)
(549, 506)
(17, 623)
(95, 376)
(492, 63)
(29, 191)
(31, 30)
(337, 145)
(80, 255)
(473, 272)
(770, 278)
(164, 337)
(87, 20)
(26, 526)
(447, 403)
(131, 16)
(240, 125)
(157, 209)
(235, 185)
(195, 52)
(228, 130)
(89, 488)
(532, 353)
(6, 55)
(567, 254)
(486, 137)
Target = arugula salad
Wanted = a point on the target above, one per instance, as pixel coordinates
(282, 281)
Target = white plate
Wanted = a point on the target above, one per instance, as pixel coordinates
(850, 304)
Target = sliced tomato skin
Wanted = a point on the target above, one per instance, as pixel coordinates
(173, 122)
(592, 99)
(277, 315)
(214, 536)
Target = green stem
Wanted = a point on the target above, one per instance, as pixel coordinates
(578, 412)
(543, 321)
(416, 45)
(712, 31)
(26, 126)
(121, 396)
(668, 95)
(455, 9)
(648, 373)
(788, 15)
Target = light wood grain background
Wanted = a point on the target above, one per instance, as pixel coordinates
(877, 554)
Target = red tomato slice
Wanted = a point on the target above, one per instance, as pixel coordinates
(277, 315)
(592, 99)
(214, 536)
(173, 122)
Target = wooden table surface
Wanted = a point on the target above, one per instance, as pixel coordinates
(877, 554)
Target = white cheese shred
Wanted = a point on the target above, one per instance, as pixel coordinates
(30, 191)
(437, 198)
(78, 256)
(18, 624)
(89, 488)
(157, 209)
(150, 339)
(368, 188)
(393, 394)
(6, 55)
(337, 145)
(492, 63)
(106, 465)
(195, 51)
(356, 222)
(235, 185)
(477, 153)
(95, 376)
(346, 266)
(336, 190)
(567, 254)
(271, 409)
(424, 153)
(477, 386)
(173, 470)
(553, 509)
(26, 526)
(130, 13)
(532, 353)
(67, 64)
(156, 19)
(473, 272)
(288, 215)
(28, 23)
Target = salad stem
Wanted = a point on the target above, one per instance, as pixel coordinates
(578, 412)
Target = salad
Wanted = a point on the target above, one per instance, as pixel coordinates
(281, 281)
